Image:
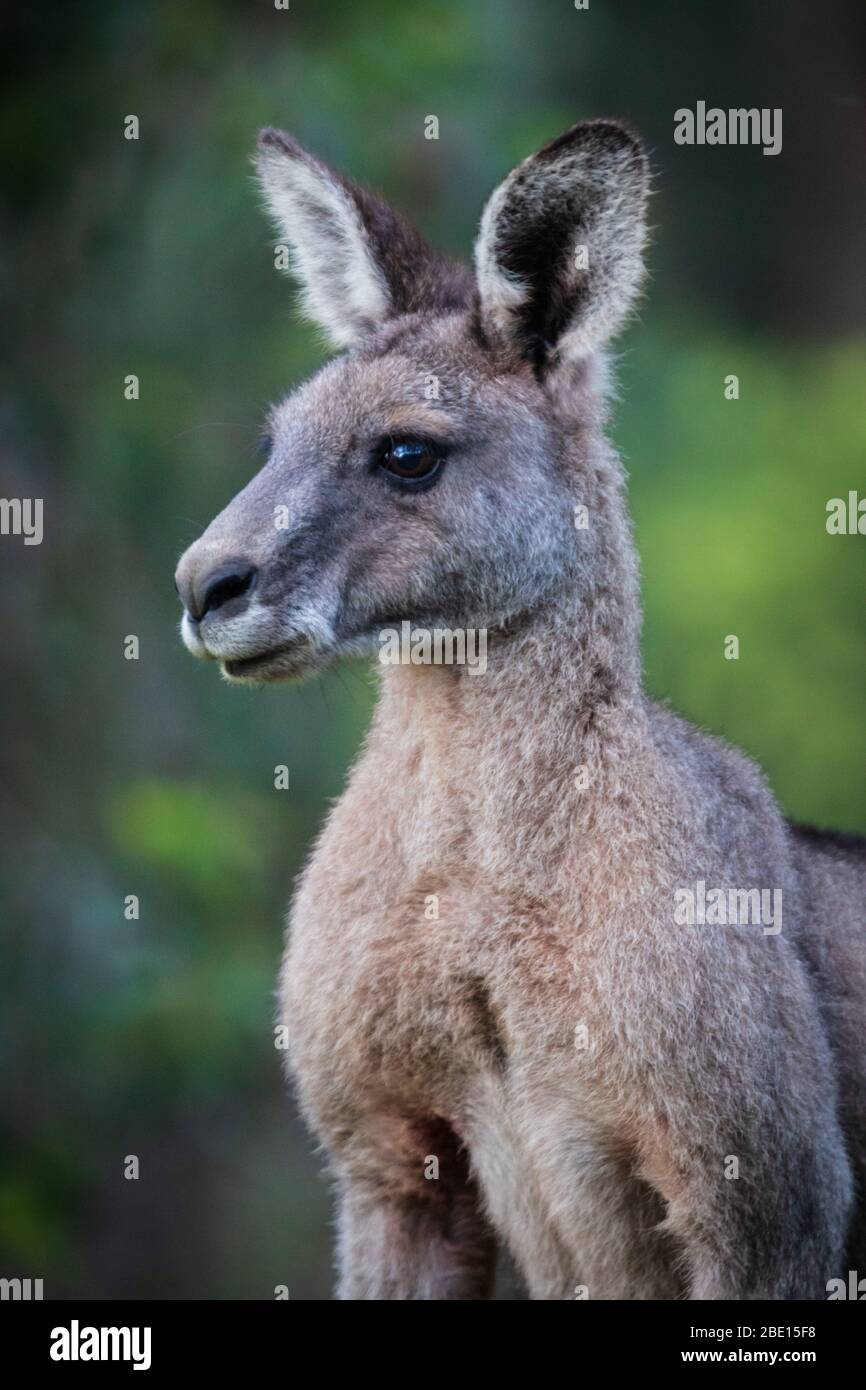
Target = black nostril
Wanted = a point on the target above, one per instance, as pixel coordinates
(224, 584)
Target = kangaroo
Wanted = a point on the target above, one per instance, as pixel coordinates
(506, 1029)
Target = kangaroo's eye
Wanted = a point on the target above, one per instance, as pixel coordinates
(410, 461)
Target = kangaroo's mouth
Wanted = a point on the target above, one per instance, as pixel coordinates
(288, 660)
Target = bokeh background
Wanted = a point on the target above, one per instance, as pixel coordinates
(154, 1037)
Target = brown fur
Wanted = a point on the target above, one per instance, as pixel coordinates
(451, 1034)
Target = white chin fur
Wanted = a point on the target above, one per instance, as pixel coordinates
(255, 633)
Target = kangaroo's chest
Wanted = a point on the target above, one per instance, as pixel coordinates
(409, 997)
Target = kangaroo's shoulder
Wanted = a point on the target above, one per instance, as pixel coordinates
(720, 766)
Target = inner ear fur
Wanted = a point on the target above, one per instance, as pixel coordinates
(559, 254)
(358, 261)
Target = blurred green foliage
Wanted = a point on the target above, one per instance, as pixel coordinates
(154, 1037)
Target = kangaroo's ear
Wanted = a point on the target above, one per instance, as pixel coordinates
(558, 257)
(358, 262)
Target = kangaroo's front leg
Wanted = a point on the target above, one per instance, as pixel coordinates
(410, 1225)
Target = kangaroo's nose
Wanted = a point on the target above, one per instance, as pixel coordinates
(214, 588)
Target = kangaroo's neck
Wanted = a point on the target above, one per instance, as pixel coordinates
(520, 754)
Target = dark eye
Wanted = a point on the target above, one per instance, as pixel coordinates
(410, 461)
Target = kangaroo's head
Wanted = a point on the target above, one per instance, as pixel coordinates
(425, 473)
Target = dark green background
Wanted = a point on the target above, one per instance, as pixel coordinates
(151, 777)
